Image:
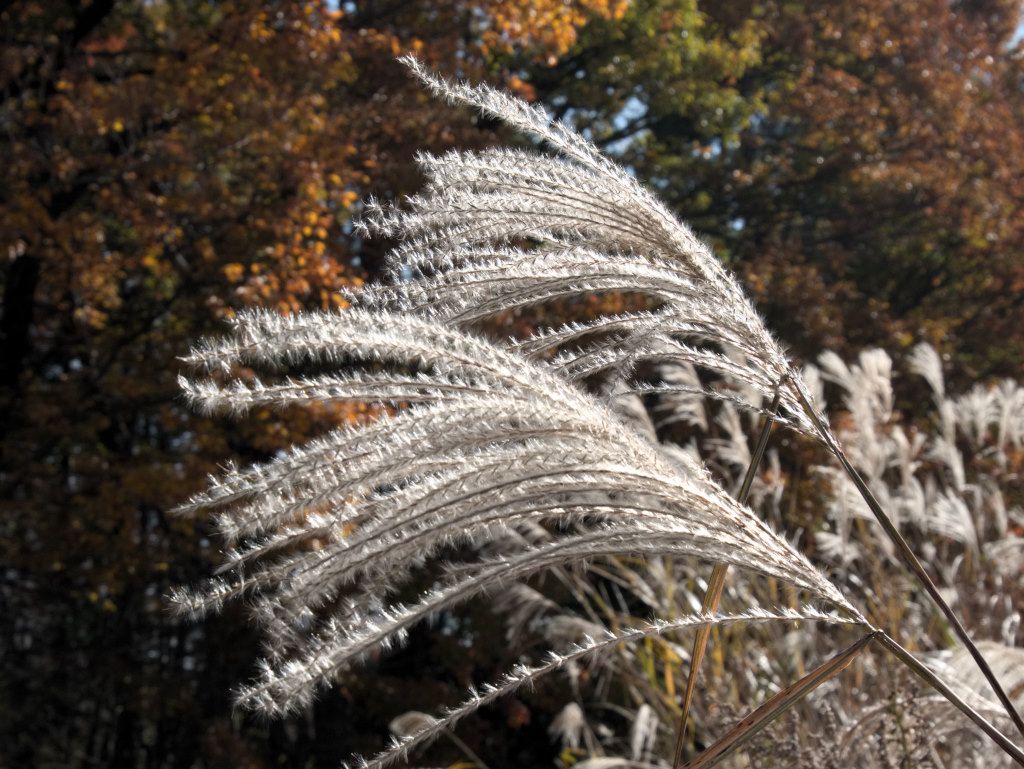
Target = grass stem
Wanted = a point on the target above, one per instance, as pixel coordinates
(910, 560)
(779, 704)
(713, 594)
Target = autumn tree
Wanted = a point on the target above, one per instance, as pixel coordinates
(165, 164)
(859, 163)
(168, 162)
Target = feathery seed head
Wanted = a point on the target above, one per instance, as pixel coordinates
(481, 440)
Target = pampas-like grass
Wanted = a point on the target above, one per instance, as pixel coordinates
(595, 229)
(495, 454)
(488, 440)
(922, 475)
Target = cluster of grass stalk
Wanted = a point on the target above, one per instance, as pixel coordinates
(943, 477)
(513, 447)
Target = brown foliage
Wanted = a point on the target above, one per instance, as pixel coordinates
(164, 164)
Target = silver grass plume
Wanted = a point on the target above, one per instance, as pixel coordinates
(1007, 661)
(593, 228)
(643, 733)
(492, 448)
(478, 441)
(922, 475)
(569, 725)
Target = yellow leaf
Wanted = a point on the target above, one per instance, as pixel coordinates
(234, 272)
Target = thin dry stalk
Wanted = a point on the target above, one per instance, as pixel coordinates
(713, 594)
(779, 704)
(911, 561)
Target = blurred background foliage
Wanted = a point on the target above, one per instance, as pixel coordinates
(860, 163)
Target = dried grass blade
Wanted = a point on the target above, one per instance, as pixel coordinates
(911, 561)
(700, 644)
(778, 705)
(713, 594)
